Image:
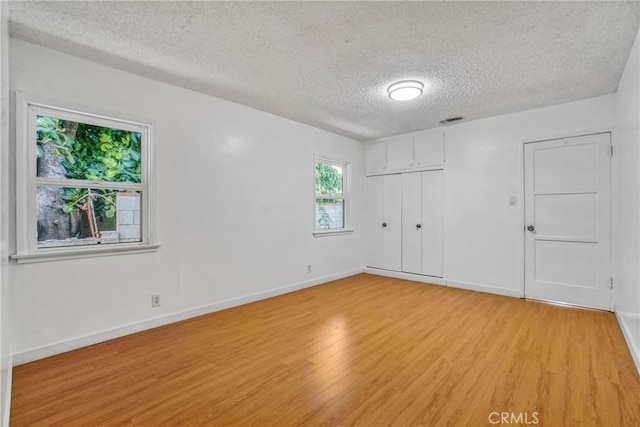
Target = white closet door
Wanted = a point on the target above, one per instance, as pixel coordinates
(433, 223)
(412, 223)
(392, 222)
(400, 154)
(374, 222)
(428, 149)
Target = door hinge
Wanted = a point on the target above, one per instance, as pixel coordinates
(611, 283)
(611, 152)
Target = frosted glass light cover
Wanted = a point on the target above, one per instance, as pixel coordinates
(405, 90)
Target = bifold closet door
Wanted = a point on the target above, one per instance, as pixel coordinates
(384, 196)
(433, 223)
(422, 223)
(412, 222)
(374, 221)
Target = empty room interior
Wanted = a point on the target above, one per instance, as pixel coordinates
(319, 213)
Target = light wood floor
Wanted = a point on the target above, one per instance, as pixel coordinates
(365, 351)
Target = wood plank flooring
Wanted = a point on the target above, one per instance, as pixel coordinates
(364, 351)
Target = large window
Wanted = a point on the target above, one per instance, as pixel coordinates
(83, 183)
(331, 196)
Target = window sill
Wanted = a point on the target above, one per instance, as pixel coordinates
(336, 232)
(59, 254)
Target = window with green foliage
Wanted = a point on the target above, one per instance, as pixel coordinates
(85, 180)
(331, 194)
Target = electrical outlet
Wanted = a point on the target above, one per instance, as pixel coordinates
(513, 201)
(309, 268)
(155, 300)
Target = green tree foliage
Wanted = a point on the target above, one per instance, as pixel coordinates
(94, 153)
(328, 180)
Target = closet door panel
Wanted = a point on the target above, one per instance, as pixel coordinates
(373, 254)
(411, 223)
(433, 223)
(429, 149)
(400, 154)
(392, 217)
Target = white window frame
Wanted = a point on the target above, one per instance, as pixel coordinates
(346, 178)
(27, 182)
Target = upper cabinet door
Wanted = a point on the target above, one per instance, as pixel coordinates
(400, 154)
(428, 149)
(375, 157)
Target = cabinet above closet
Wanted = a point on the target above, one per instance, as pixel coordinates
(405, 153)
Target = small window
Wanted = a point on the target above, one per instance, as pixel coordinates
(331, 196)
(83, 183)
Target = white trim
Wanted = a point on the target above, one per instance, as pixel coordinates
(332, 232)
(484, 288)
(89, 251)
(551, 137)
(27, 181)
(445, 282)
(432, 280)
(411, 170)
(6, 408)
(633, 349)
(33, 354)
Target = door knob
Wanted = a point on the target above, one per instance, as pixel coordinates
(418, 226)
(384, 224)
(531, 228)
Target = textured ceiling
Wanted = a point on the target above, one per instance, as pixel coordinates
(328, 64)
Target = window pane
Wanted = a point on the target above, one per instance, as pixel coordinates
(329, 179)
(75, 150)
(82, 216)
(329, 213)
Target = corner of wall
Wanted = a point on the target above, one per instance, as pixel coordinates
(6, 364)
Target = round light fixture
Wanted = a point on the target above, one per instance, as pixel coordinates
(405, 90)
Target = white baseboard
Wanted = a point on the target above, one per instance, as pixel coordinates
(484, 288)
(6, 393)
(406, 276)
(633, 348)
(445, 282)
(94, 338)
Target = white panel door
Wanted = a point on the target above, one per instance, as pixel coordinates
(375, 157)
(432, 223)
(568, 216)
(412, 223)
(374, 222)
(400, 154)
(428, 149)
(392, 222)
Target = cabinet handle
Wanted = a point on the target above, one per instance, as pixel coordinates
(384, 225)
(418, 226)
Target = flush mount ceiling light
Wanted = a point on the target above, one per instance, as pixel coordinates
(405, 90)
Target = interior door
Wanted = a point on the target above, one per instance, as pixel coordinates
(567, 220)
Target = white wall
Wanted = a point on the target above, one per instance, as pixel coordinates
(235, 211)
(5, 356)
(484, 245)
(626, 203)
(484, 235)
